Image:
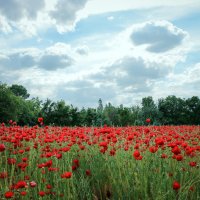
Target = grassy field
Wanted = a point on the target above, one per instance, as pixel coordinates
(139, 163)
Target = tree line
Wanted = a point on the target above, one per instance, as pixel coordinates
(16, 105)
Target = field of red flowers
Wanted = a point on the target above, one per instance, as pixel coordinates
(139, 163)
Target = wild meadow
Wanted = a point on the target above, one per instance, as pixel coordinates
(133, 162)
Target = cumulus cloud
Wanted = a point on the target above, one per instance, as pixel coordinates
(55, 57)
(23, 16)
(52, 58)
(15, 10)
(39, 14)
(131, 74)
(65, 12)
(16, 61)
(53, 62)
(159, 36)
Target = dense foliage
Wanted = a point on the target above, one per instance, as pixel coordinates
(16, 105)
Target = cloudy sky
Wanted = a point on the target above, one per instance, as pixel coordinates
(83, 50)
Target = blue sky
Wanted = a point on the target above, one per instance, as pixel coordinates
(83, 50)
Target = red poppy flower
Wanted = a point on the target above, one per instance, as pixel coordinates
(176, 185)
(40, 119)
(179, 157)
(191, 188)
(2, 147)
(88, 172)
(21, 184)
(23, 193)
(153, 149)
(52, 169)
(112, 152)
(74, 167)
(59, 156)
(136, 154)
(41, 193)
(148, 120)
(33, 183)
(176, 150)
(9, 194)
(48, 186)
(26, 177)
(66, 175)
(24, 159)
(159, 141)
(139, 157)
(103, 150)
(164, 156)
(3, 175)
(21, 151)
(103, 144)
(76, 162)
(14, 123)
(193, 164)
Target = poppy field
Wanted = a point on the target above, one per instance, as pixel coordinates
(136, 162)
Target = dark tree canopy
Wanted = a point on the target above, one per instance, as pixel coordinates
(20, 91)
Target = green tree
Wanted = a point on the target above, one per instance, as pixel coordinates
(173, 110)
(75, 116)
(111, 115)
(20, 91)
(9, 104)
(149, 110)
(82, 117)
(47, 111)
(193, 110)
(125, 115)
(61, 114)
(28, 112)
(91, 117)
(135, 115)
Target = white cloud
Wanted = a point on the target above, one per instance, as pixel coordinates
(133, 74)
(15, 61)
(52, 58)
(53, 62)
(159, 36)
(103, 6)
(32, 16)
(65, 13)
(16, 10)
